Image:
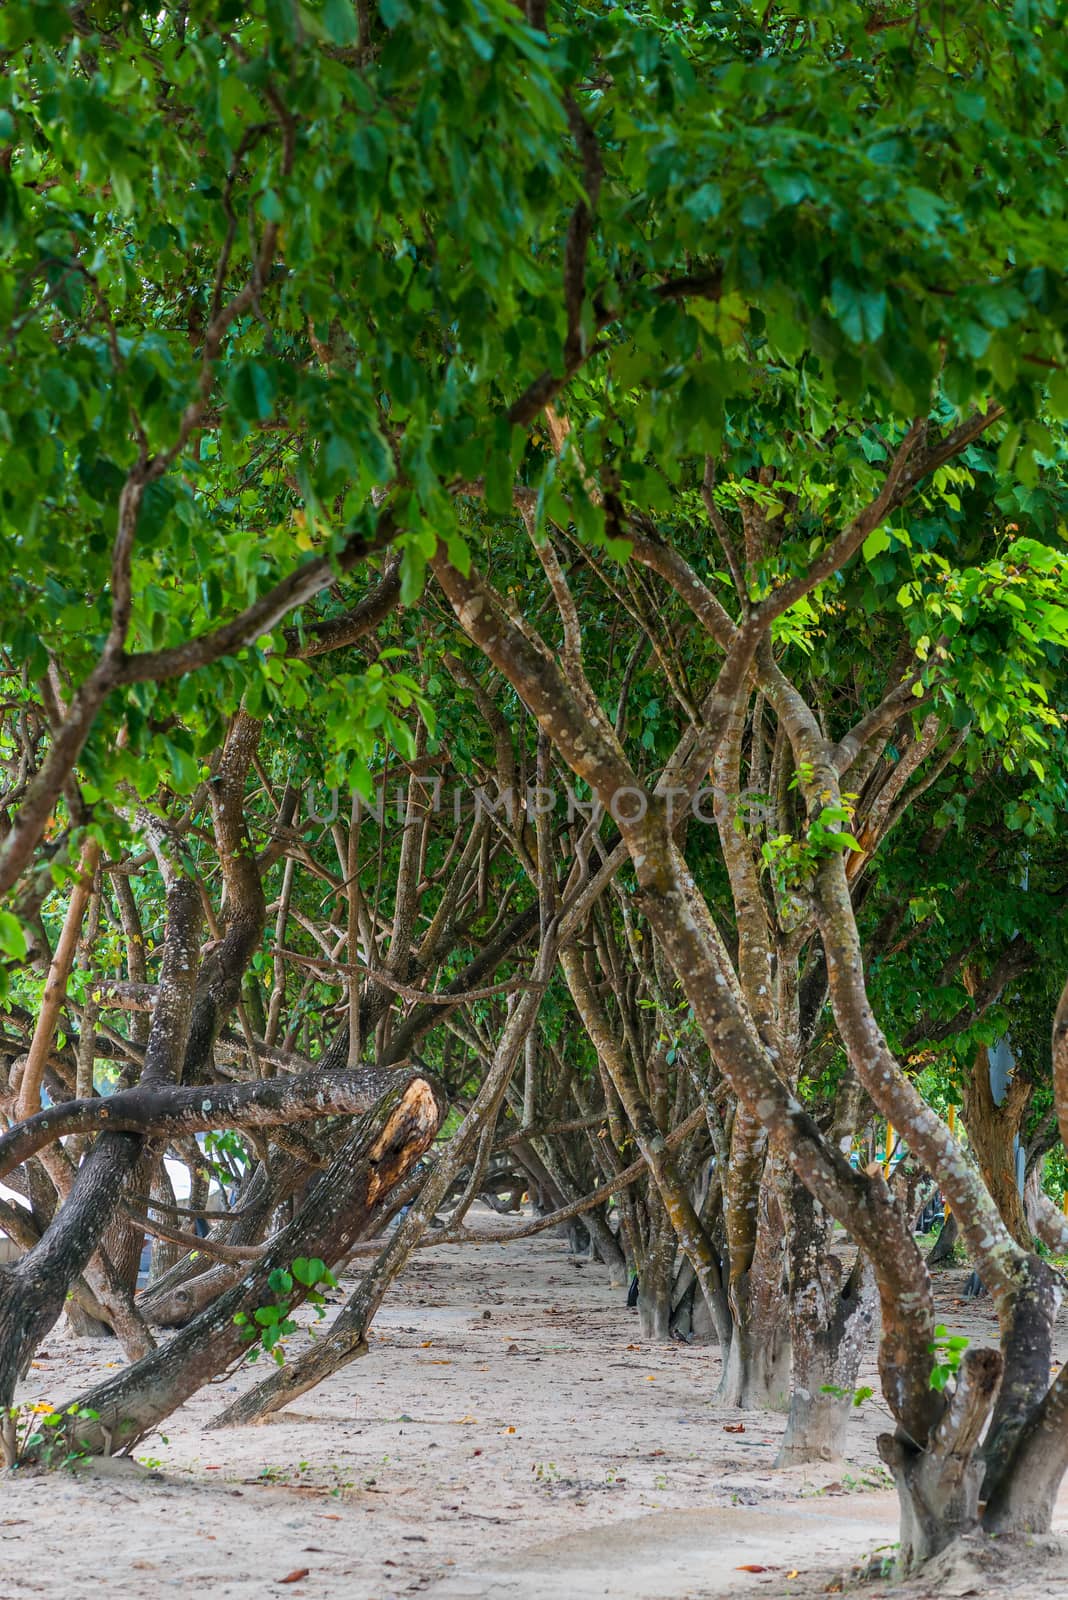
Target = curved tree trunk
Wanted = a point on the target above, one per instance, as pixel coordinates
(934, 1454)
(938, 1483)
(686, 1224)
(345, 1339)
(33, 1291)
(380, 1150)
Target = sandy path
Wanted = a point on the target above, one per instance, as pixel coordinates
(508, 1434)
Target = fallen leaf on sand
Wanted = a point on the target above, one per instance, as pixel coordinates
(461, 1420)
(751, 1566)
(294, 1576)
(734, 1427)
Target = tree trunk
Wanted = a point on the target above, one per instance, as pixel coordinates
(1022, 1501)
(672, 1191)
(938, 1484)
(381, 1149)
(993, 1129)
(756, 1368)
(656, 1277)
(34, 1289)
(191, 1285)
(831, 1313)
(943, 1247)
(346, 1337)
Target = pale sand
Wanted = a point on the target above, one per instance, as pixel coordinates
(581, 1463)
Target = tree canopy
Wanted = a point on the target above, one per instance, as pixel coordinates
(533, 599)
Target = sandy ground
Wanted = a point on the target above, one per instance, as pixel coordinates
(509, 1434)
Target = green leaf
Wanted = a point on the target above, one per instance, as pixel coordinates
(874, 545)
(339, 20)
(251, 388)
(308, 1271)
(59, 390)
(12, 937)
(393, 12)
(924, 208)
(705, 202)
(185, 769)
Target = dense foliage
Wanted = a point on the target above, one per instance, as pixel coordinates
(508, 398)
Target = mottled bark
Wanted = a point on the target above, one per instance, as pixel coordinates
(939, 1481)
(831, 1311)
(756, 1371)
(684, 1219)
(165, 1109)
(33, 1290)
(938, 1466)
(347, 1333)
(992, 1133)
(377, 1155)
(682, 922)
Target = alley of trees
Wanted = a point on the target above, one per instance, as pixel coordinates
(533, 622)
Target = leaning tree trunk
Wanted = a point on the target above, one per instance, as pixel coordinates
(34, 1289)
(345, 1339)
(381, 1150)
(934, 1453)
(654, 1299)
(191, 1284)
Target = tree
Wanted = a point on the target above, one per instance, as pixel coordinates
(751, 320)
